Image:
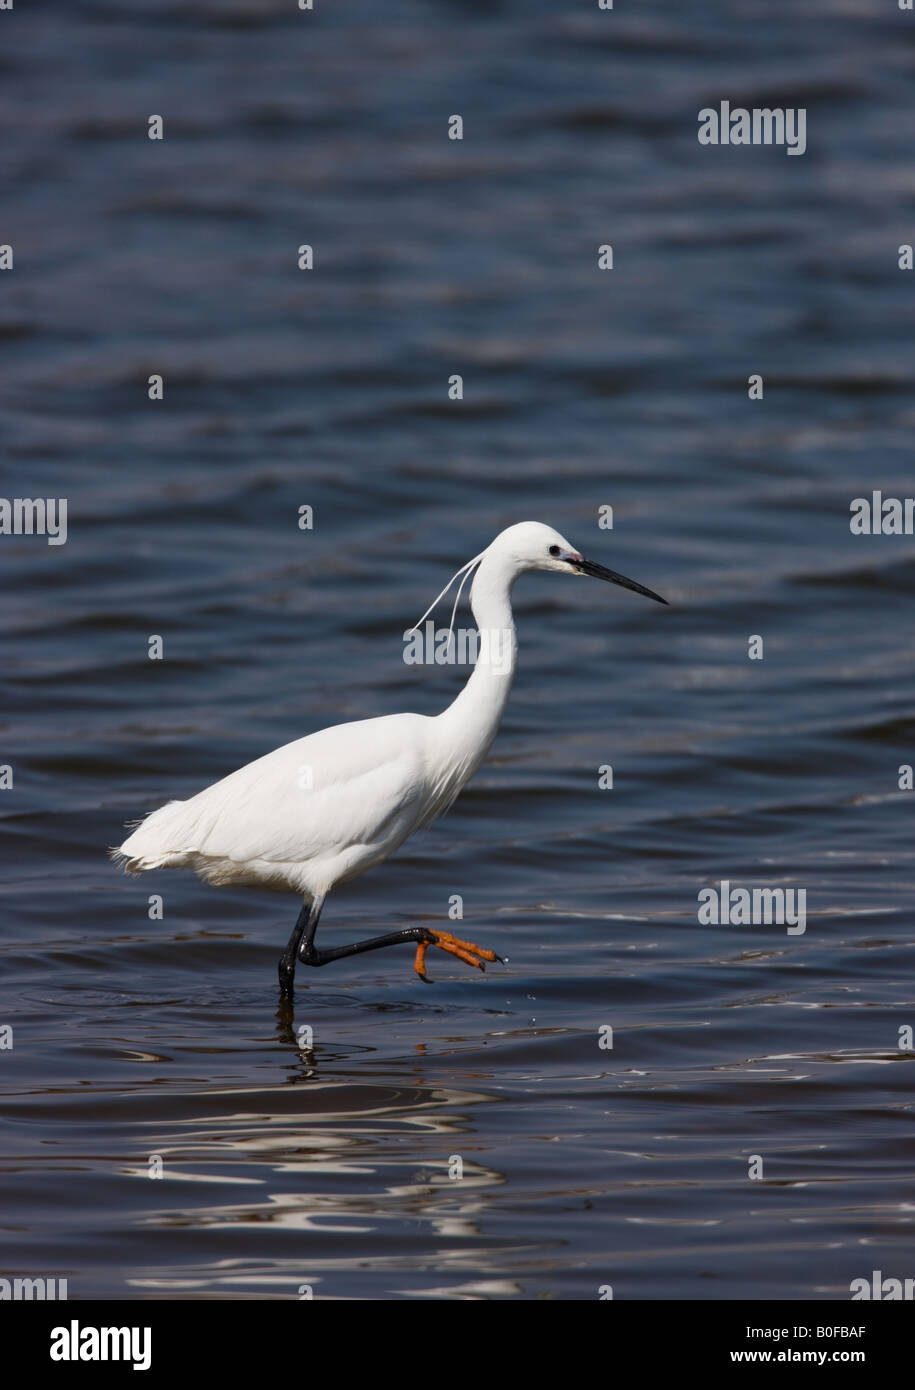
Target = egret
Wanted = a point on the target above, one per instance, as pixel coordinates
(327, 807)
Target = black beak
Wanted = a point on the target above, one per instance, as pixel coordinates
(599, 572)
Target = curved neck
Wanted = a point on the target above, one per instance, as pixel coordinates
(475, 715)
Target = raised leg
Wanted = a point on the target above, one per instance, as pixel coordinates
(309, 954)
(424, 937)
(301, 947)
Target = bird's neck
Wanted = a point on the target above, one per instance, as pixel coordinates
(474, 717)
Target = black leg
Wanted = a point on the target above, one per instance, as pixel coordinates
(301, 947)
(289, 956)
(308, 953)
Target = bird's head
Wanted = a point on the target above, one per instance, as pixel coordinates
(532, 546)
(528, 546)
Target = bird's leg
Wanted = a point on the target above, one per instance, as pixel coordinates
(424, 937)
(309, 954)
(308, 918)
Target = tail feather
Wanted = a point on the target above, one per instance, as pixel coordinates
(156, 841)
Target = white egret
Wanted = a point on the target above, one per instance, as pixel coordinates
(327, 807)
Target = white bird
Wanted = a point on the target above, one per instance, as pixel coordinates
(327, 807)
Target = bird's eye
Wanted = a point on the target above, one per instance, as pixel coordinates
(554, 549)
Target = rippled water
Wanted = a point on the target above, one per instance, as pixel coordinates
(133, 1038)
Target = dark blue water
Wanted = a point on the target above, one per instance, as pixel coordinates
(582, 1166)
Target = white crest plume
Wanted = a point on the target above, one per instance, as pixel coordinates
(466, 571)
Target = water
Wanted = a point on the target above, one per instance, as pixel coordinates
(582, 1166)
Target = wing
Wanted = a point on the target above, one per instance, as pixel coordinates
(353, 785)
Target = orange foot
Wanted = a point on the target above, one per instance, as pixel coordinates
(467, 951)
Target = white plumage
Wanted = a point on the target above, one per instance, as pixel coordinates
(308, 815)
(325, 808)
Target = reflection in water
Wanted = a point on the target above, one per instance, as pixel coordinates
(357, 1142)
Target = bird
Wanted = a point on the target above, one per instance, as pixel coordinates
(328, 807)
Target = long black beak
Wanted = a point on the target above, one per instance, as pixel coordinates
(599, 572)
